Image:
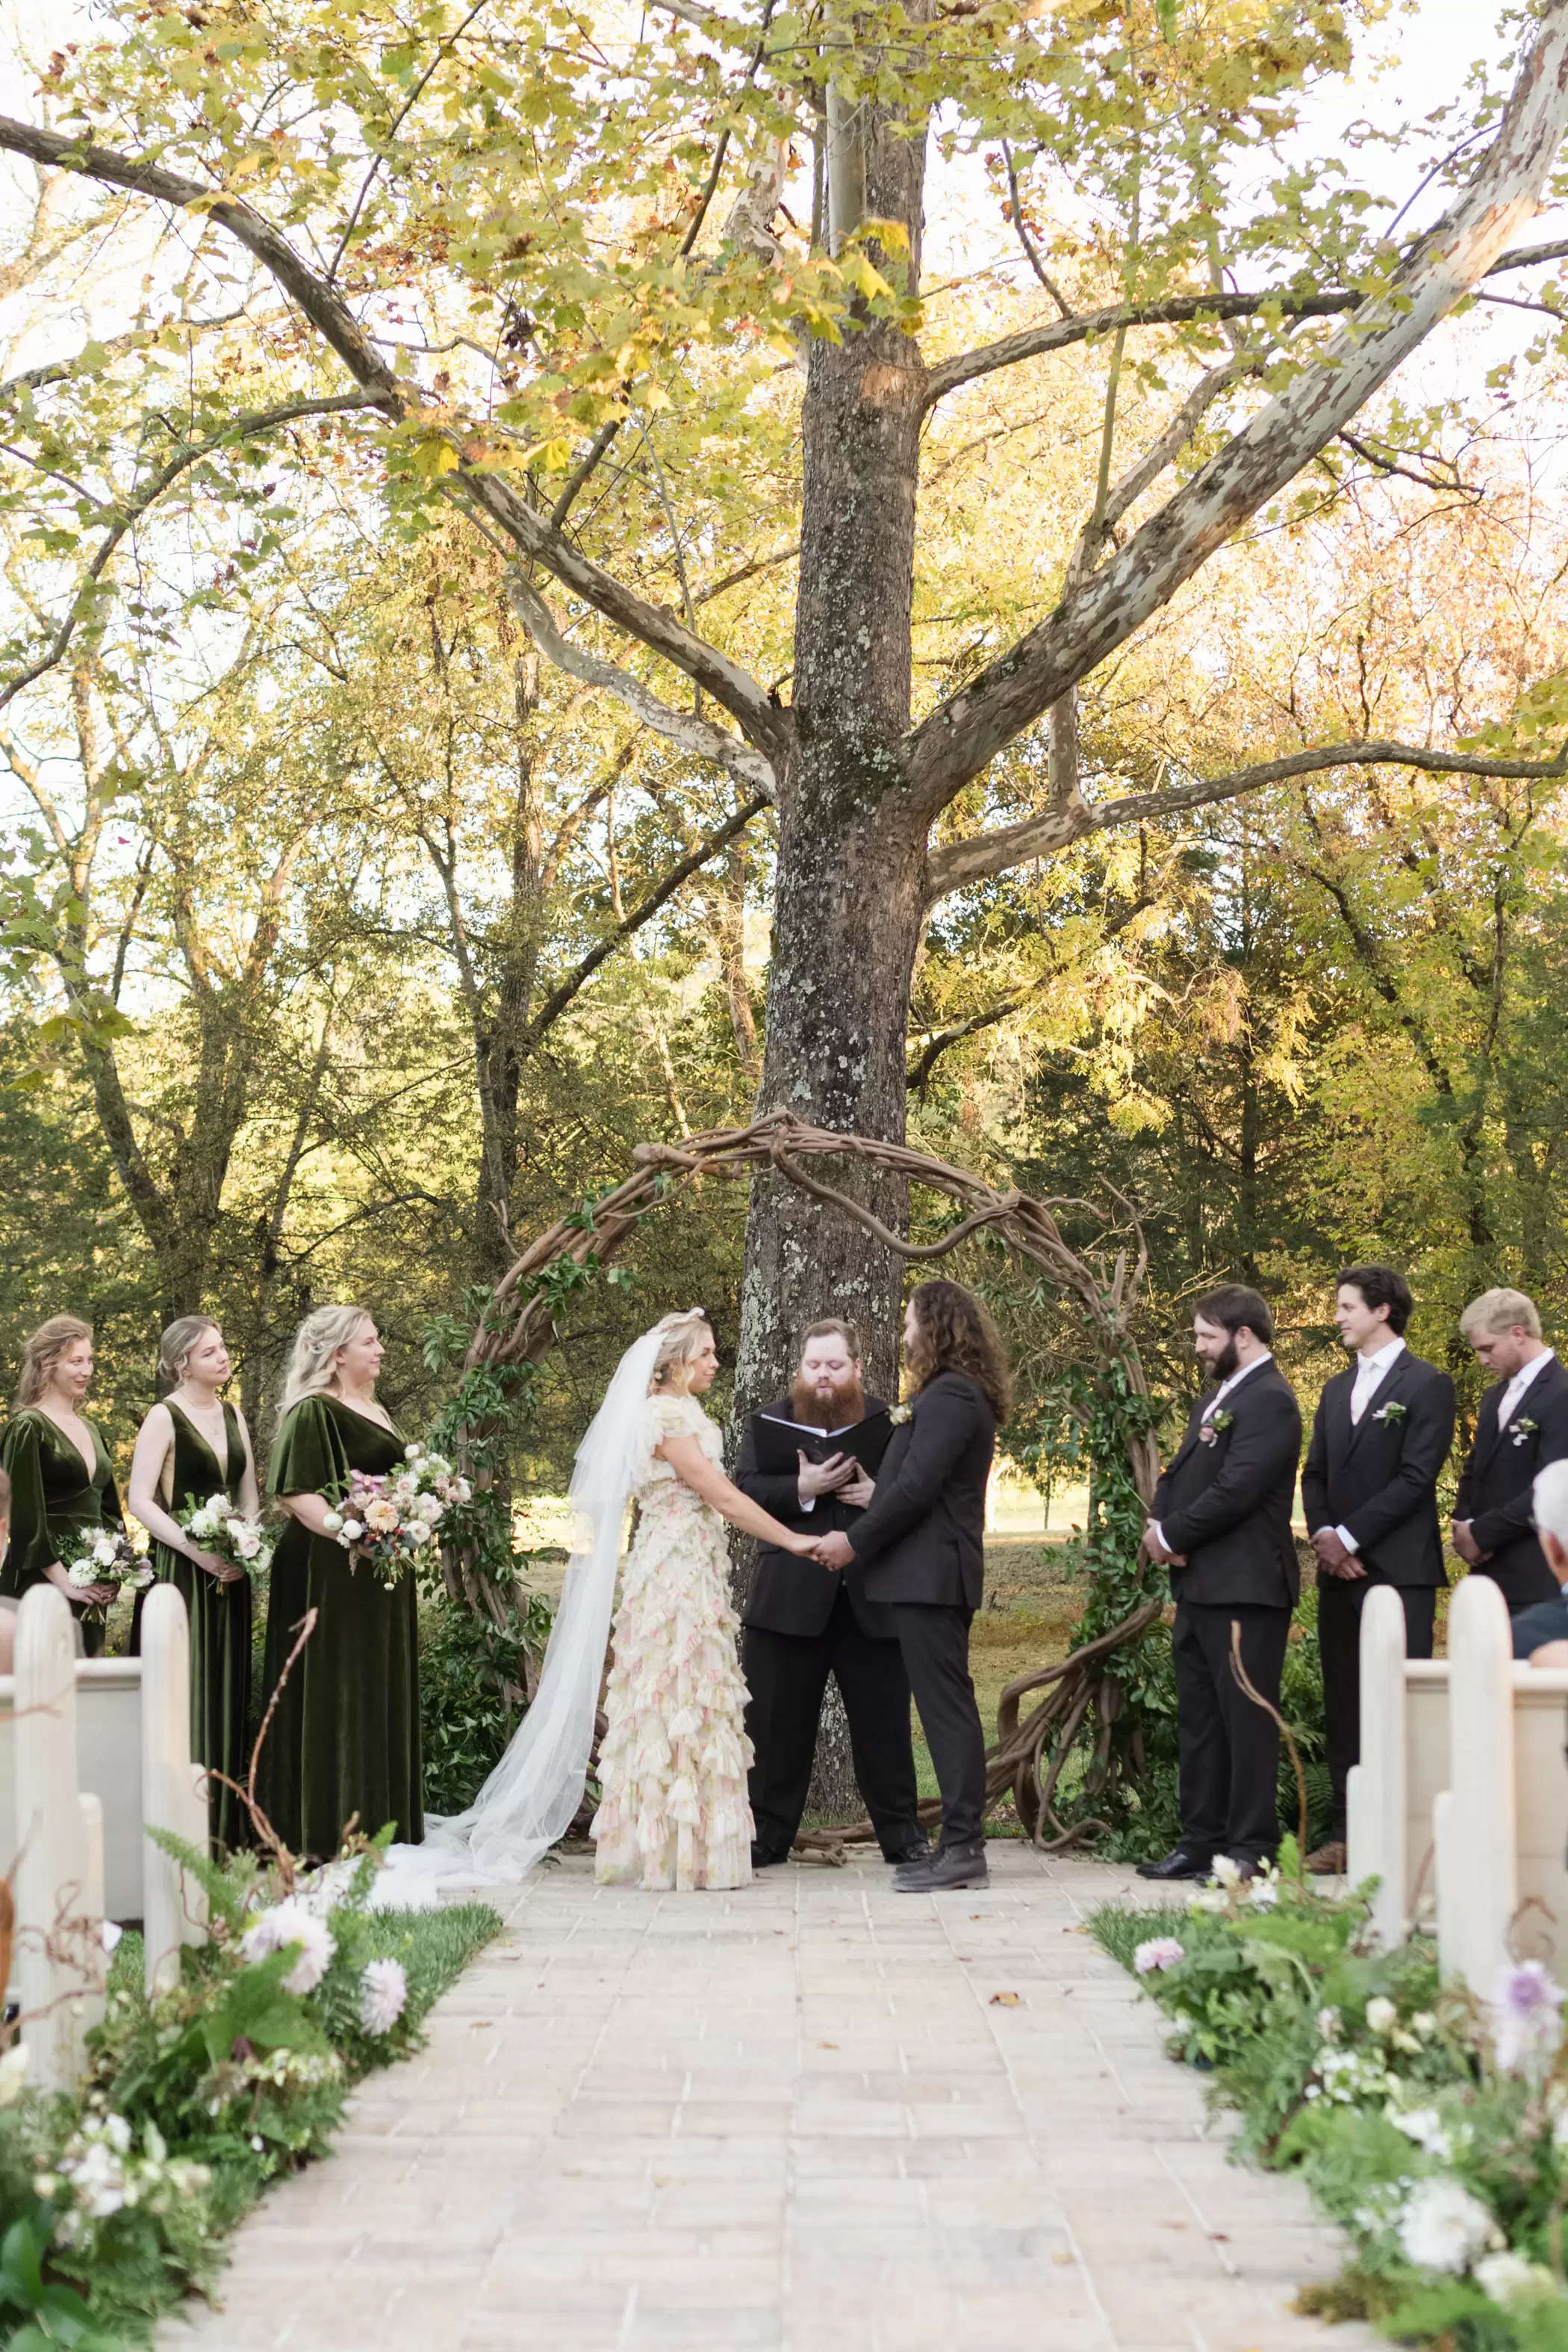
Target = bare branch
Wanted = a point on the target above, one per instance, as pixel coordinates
(555, 1003)
(960, 863)
(244, 427)
(698, 736)
(963, 735)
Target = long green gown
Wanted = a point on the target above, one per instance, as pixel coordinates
(220, 1621)
(52, 1496)
(346, 1737)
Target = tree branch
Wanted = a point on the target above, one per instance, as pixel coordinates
(684, 727)
(555, 1003)
(244, 427)
(329, 315)
(1175, 310)
(965, 734)
(959, 863)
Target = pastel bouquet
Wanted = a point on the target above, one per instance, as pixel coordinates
(386, 1522)
(102, 1556)
(216, 1526)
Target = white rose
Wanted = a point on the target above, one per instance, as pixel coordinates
(1443, 2228)
(246, 1543)
(1381, 2014)
(105, 1550)
(430, 1509)
(417, 1533)
(1225, 1872)
(412, 1453)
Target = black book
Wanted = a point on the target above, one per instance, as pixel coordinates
(781, 1444)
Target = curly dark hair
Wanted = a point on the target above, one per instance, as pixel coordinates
(956, 1334)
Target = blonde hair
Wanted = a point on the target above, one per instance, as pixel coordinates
(312, 1367)
(1500, 1310)
(683, 1341)
(174, 1346)
(42, 1351)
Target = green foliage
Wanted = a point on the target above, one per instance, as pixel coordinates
(1383, 2089)
(197, 2098)
(470, 1671)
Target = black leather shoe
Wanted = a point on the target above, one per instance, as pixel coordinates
(917, 1850)
(953, 1867)
(763, 1859)
(1180, 1863)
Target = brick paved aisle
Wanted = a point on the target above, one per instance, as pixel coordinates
(793, 2117)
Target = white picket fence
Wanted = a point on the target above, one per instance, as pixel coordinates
(1460, 1804)
(93, 1750)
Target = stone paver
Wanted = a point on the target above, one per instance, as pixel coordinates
(794, 2119)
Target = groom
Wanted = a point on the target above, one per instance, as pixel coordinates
(804, 1623)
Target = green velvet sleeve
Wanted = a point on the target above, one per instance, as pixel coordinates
(32, 1552)
(308, 1456)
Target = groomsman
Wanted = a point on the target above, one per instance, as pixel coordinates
(1522, 1426)
(1221, 1523)
(1380, 1439)
(803, 1623)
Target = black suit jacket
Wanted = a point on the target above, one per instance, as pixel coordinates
(1378, 1477)
(923, 1537)
(1226, 1501)
(1495, 1485)
(789, 1595)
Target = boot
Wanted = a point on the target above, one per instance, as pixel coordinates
(951, 1866)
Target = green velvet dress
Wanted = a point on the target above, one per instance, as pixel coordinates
(220, 1621)
(346, 1737)
(52, 1496)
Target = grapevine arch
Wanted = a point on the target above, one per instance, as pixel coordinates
(1042, 1718)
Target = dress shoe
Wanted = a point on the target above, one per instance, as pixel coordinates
(1180, 1863)
(764, 1858)
(950, 1867)
(1328, 1862)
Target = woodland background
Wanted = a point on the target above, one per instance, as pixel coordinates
(336, 916)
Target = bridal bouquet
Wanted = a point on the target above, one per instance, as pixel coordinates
(103, 1556)
(387, 1522)
(216, 1526)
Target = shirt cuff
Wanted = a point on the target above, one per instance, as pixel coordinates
(1160, 1535)
(1347, 1540)
(806, 1502)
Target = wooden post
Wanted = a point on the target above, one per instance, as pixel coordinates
(1376, 1822)
(173, 1790)
(59, 1940)
(1477, 1822)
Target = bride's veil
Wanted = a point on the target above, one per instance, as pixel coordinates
(529, 1799)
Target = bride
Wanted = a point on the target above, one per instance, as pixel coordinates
(673, 1809)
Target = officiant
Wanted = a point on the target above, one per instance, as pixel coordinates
(811, 1459)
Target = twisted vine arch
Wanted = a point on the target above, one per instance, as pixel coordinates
(1041, 1717)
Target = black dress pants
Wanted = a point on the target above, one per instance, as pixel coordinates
(1229, 1747)
(787, 1676)
(934, 1639)
(1340, 1605)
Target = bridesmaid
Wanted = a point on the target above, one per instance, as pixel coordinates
(191, 1446)
(346, 1737)
(61, 1481)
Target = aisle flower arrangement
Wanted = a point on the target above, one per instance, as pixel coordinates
(1431, 2125)
(115, 2203)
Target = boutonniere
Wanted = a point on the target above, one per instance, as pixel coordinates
(899, 1414)
(1522, 1428)
(1213, 1428)
(1393, 1413)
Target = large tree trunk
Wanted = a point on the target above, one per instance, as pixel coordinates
(851, 858)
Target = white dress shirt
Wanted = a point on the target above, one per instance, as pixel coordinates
(1513, 1395)
(1210, 1410)
(1370, 1374)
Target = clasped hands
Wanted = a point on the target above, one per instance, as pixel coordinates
(843, 1476)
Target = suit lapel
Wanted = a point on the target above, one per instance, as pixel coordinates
(1489, 1423)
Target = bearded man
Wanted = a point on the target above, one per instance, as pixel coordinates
(803, 1623)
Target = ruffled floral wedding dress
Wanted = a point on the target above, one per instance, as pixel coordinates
(672, 1764)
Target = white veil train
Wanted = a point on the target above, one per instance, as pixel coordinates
(528, 1800)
